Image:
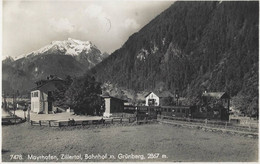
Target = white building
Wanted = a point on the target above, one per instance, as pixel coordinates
(152, 99)
(41, 96)
(158, 98)
(39, 102)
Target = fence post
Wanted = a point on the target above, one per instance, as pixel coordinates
(129, 119)
(112, 121)
(49, 123)
(31, 122)
(40, 123)
(226, 125)
(121, 120)
(59, 124)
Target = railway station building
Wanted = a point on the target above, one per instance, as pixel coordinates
(42, 95)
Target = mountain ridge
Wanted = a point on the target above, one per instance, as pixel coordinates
(69, 57)
(70, 46)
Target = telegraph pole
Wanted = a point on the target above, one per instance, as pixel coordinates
(4, 102)
(15, 104)
(177, 97)
(14, 107)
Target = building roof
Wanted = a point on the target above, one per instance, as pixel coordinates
(43, 83)
(108, 96)
(161, 94)
(49, 78)
(216, 95)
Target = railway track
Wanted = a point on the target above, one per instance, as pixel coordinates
(212, 127)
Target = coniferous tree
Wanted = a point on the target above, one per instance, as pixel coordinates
(59, 94)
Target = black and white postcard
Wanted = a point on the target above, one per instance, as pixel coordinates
(130, 81)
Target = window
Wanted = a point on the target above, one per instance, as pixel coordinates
(178, 110)
(32, 95)
(35, 94)
(49, 93)
(151, 102)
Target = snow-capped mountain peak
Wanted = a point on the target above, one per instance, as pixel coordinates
(70, 46)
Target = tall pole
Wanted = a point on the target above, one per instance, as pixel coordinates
(177, 97)
(14, 107)
(4, 103)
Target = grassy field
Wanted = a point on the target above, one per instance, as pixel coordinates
(138, 142)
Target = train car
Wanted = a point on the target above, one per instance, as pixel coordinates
(145, 111)
(175, 111)
(193, 112)
(129, 109)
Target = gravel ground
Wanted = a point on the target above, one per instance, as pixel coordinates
(59, 116)
(136, 143)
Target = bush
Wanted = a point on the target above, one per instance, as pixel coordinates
(84, 96)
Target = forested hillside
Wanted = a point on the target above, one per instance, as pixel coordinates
(192, 47)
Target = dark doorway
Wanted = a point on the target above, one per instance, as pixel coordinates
(49, 101)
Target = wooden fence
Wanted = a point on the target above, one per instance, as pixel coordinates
(12, 120)
(210, 123)
(124, 115)
(52, 123)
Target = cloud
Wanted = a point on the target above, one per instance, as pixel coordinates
(94, 11)
(100, 20)
(108, 24)
(131, 23)
(62, 25)
(14, 10)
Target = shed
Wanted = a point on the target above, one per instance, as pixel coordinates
(216, 105)
(113, 105)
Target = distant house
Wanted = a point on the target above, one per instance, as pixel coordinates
(113, 105)
(158, 98)
(42, 95)
(216, 105)
(216, 97)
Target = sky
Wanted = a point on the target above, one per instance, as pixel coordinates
(29, 25)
